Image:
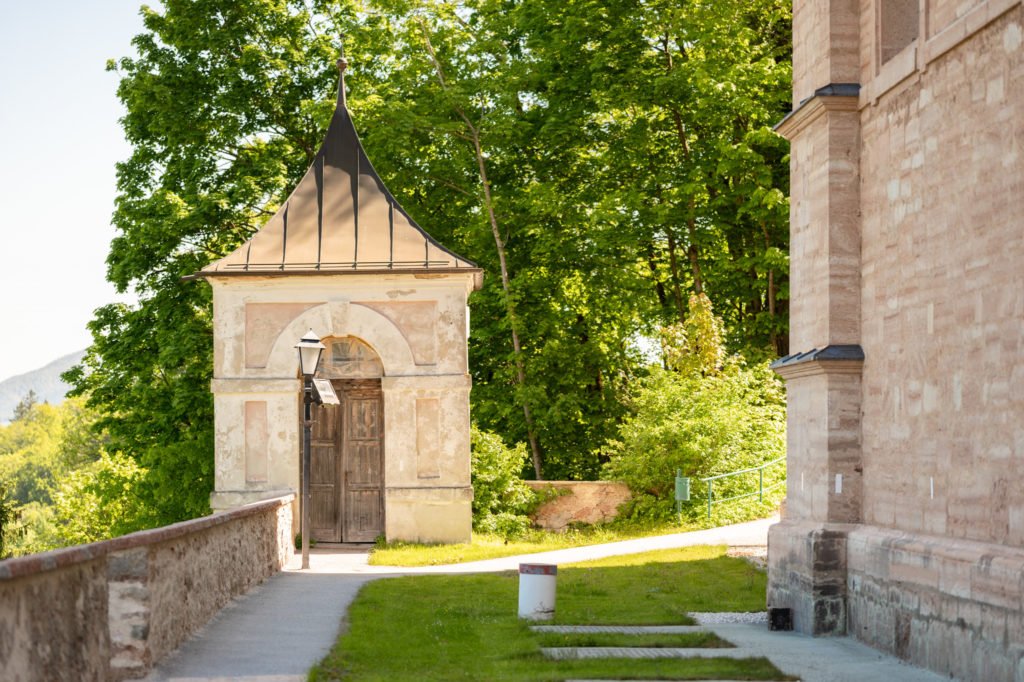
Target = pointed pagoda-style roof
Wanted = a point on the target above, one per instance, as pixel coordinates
(340, 219)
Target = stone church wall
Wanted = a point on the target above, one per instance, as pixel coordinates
(938, 577)
(943, 295)
(905, 517)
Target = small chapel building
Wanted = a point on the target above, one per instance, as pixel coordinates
(343, 258)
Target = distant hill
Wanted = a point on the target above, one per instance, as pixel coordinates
(45, 381)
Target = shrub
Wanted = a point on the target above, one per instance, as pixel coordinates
(501, 499)
(703, 425)
(703, 414)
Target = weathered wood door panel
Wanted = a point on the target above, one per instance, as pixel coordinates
(347, 465)
(324, 477)
(363, 449)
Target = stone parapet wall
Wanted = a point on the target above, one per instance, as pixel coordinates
(954, 606)
(578, 502)
(110, 610)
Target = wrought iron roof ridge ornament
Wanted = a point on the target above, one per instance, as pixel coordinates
(340, 218)
(342, 66)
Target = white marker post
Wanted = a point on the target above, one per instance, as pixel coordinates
(537, 591)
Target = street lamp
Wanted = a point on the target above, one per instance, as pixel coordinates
(310, 349)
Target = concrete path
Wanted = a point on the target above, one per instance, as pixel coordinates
(752, 534)
(279, 630)
(823, 659)
(275, 633)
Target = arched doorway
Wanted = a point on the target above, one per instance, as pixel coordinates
(347, 453)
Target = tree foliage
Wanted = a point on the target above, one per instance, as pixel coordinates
(695, 346)
(704, 425)
(8, 516)
(701, 417)
(100, 501)
(58, 485)
(24, 406)
(29, 452)
(600, 160)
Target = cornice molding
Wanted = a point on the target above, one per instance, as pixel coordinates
(832, 97)
(834, 359)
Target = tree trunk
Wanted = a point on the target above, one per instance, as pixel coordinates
(499, 243)
(517, 350)
(677, 293)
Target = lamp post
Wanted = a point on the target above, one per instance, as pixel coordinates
(310, 349)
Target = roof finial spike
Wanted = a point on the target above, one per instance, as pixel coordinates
(342, 65)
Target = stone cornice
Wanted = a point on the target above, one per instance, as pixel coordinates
(222, 385)
(429, 383)
(832, 359)
(832, 97)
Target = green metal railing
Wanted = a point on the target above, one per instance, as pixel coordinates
(761, 489)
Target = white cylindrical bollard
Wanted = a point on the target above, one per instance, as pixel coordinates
(537, 591)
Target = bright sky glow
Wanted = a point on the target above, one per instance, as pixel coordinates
(59, 141)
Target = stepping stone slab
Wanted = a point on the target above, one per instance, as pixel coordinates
(575, 652)
(730, 617)
(619, 629)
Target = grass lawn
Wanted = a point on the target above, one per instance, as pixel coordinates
(657, 588)
(486, 546)
(465, 627)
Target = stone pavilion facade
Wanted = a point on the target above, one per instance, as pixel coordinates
(341, 257)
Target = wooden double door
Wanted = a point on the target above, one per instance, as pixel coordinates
(347, 464)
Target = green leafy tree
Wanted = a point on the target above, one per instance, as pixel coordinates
(8, 517)
(601, 161)
(34, 530)
(224, 106)
(29, 459)
(553, 327)
(100, 501)
(695, 346)
(38, 453)
(676, 101)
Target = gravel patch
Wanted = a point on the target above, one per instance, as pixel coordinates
(752, 618)
(756, 555)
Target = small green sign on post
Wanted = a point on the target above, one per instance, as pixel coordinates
(682, 491)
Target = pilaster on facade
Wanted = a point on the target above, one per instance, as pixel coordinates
(825, 248)
(824, 440)
(807, 550)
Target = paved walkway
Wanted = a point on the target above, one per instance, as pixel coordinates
(280, 629)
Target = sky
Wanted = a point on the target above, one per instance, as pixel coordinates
(59, 141)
